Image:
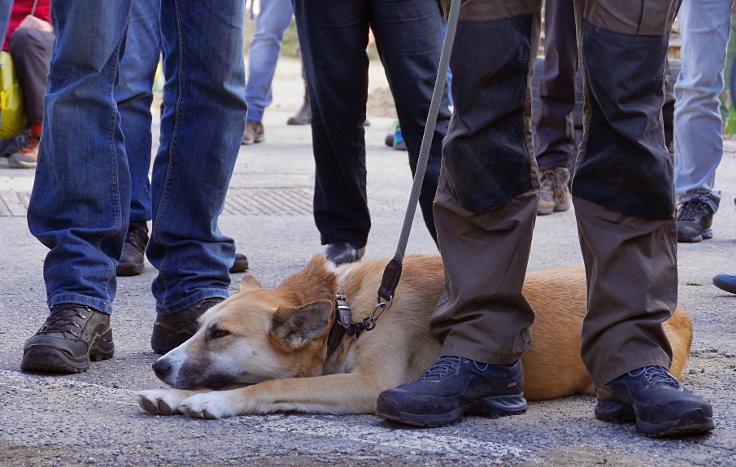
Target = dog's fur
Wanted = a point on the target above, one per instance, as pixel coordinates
(265, 349)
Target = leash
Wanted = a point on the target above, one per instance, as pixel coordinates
(392, 273)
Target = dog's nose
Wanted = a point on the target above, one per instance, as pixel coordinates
(162, 368)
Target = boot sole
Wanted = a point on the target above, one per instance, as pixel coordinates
(49, 359)
(692, 422)
(489, 407)
(129, 269)
(706, 234)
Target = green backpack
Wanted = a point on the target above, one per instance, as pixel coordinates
(12, 120)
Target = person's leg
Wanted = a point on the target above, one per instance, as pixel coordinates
(6, 6)
(263, 54)
(555, 132)
(333, 38)
(202, 124)
(554, 142)
(704, 27)
(31, 52)
(81, 192)
(485, 210)
(409, 40)
(623, 195)
(134, 95)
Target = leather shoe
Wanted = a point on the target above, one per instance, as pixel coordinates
(240, 264)
(254, 133)
(725, 282)
(343, 252)
(134, 249)
(173, 329)
(72, 336)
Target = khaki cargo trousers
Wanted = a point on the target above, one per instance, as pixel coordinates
(485, 207)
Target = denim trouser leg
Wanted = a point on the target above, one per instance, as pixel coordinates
(81, 192)
(201, 129)
(272, 21)
(704, 26)
(134, 95)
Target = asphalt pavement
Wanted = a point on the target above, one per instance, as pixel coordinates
(92, 418)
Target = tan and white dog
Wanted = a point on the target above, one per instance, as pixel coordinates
(266, 349)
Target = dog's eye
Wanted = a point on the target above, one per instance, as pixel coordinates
(218, 333)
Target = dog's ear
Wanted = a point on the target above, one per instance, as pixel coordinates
(297, 326)
(249, 282)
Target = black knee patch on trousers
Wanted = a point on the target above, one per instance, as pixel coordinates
(486, 155)
(625, 166)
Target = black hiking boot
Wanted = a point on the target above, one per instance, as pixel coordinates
(694, 220)
(171, 330)
(453, 386)
(134, 250)
(72, 336)
(656, 401)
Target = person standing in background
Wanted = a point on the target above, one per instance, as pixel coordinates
(30, 39)
(80, 203)
(704, 27)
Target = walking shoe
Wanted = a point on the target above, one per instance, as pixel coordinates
(725, 282)
(554, 191)
(303, 116)
(694, 218)
(72, 335)
(656, 401)
(343, 252)
(254, 132)
(134, 249)
(452, 387)
(27, 156)
(240, 264)
(171, 330)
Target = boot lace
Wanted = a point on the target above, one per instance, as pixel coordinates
(65, 319)
(441, 369)
(692, 210)
(547, 182)
(656, 375)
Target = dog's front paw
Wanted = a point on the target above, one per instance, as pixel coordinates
(161, 401)
(209, 405)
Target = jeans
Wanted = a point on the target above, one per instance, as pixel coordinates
(704, 26)
(272, 21)
(134, 96)
(80, 203)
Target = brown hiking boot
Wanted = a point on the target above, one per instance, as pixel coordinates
(554, 192)
(254, 132)
(27, 157)
(171, 330)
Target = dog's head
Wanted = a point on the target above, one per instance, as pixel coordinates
(258, 334)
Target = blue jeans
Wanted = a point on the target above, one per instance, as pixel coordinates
(272, 21)
(80, 202)
(704, 26)
(134, 96)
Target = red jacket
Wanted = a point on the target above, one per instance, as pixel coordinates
(21, 9)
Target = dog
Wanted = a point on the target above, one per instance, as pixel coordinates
(267, 350)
